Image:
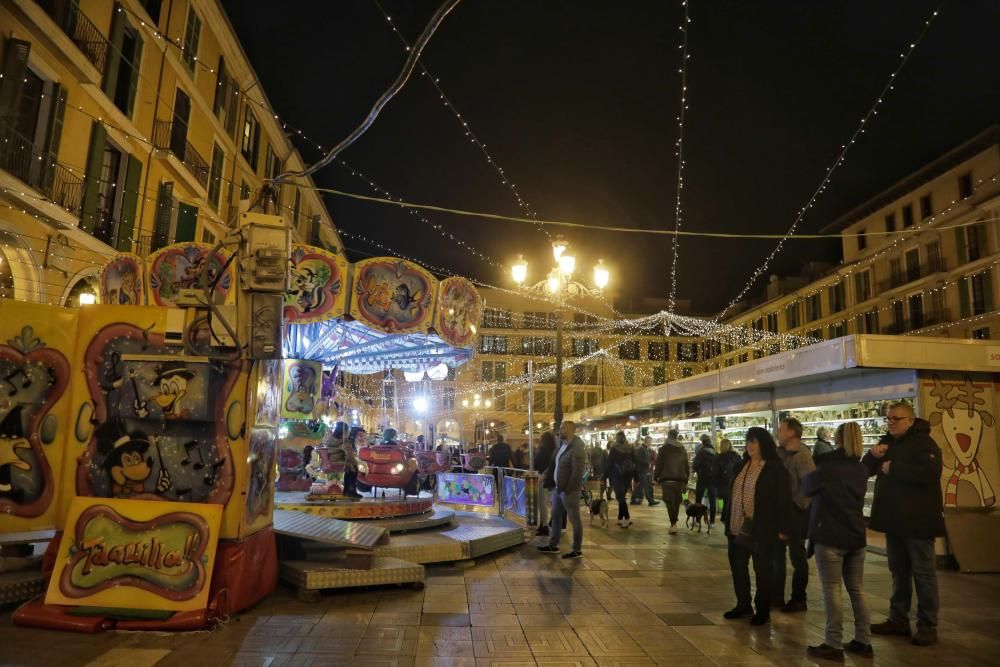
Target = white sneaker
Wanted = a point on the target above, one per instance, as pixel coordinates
(628, 522)
(673, 529)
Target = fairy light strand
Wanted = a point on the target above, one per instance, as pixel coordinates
(682, 112)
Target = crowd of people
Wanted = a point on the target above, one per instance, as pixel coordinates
(781, 503)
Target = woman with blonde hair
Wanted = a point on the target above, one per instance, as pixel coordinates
(837, 534)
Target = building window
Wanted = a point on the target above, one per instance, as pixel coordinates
(122, 88)
(890, 222)
(934, 261)
(500, 371)
(912, 264)
(584, 346)
(250, 143)
(772, 322)
(792, 316)
(539, 320)
(838, 297)
(687, 352)
(862, 240)
(659, 375)
(585, 374)
(657, 351)
(579, 400)
(868, 322)
(215, 177)
(916, 303)
(487, 371)
(926, 209)
(687, 372)
(538, 401)
(965, 185)
(297, 209)
(982, 293)
(862, 286)
(191, 38)
(152, 8)
(271, 163)
(244, 189)
(628, 376)
(495, 318)
(814, 307)
(629, 350)
(448, 399)
(908, 216)
(226, 99)
(982, 333)
(975, 243)
(493, 344)
(591, 399)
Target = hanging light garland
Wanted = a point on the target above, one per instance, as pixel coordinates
(684, 28)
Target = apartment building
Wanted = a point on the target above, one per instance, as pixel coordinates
(128, 126)
(919, 258)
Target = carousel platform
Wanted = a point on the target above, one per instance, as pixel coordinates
(350, 509)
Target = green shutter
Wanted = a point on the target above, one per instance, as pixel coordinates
(221, 90)
(988, 290)
(114, 61)
(130, 197)
(164, 212)
(963, 251)
(91, 185)
(15, 65)
(56, 114)
(133, 84)
(964, 308)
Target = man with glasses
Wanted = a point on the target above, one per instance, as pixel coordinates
(908, 508)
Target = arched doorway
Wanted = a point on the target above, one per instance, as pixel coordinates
(18, 273)
(83, 292)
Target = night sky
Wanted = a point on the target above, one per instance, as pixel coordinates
(576, 100)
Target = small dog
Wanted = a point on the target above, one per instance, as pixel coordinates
(697, 513)
(599, 508)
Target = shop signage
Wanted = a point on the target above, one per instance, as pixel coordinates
(993, 355)
(136, 554)
(815, 359)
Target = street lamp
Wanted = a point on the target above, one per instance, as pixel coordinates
(560, 285)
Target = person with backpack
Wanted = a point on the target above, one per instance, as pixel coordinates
(724, 468)
(643, 474)
(702, 466)
(619, 470)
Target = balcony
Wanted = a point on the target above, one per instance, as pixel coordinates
(913, 274)
(80, 30)
(38, 169)
(895, 328)
(172, 137)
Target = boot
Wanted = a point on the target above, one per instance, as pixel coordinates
(925, 636)
(891, 627)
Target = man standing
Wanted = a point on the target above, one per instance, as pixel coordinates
(822, 446)
(799, 463)
(567, 475)
(907, 507)
(500, 454)
(672, 473)
(704, 463)
(643, 474)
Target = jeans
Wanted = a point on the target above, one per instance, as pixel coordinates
(911, 561)
(833, 566)
(699, 492)
(564, 505)
(644, 487)
(796, 547)
(739, 564)
(544, 502)
(672, 493)
(621, 495)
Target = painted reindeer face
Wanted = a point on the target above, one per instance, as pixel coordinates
(964, 433)
(961, 417)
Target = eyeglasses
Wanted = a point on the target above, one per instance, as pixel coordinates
(896, 420)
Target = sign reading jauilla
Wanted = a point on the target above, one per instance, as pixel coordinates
(136, 554)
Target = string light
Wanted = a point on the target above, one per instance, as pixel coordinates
(675, 241)
(841, 157)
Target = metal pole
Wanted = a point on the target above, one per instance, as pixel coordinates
(557, 415)
(531, 420)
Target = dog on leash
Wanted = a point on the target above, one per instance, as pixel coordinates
(599, 508)
(697, 513)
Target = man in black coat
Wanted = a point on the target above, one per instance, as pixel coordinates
(908, 508)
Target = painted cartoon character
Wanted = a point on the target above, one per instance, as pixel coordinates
(378, 294)
(12, 440)
(405, 300)
(963, 429)
(301, 389)
(308, 290)
(127, 288)
(171, 381)
(126, 459)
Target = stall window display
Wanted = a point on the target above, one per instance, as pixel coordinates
(734, 427)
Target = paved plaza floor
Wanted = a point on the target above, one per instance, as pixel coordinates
(638, 597)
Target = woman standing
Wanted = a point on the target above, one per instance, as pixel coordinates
(759, 517)
(620, 469)
(837, 531)
(724, 471)
(543, 466)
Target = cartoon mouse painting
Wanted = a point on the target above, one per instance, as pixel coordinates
(963, 423)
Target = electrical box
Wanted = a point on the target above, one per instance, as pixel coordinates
(265, 253)
(264, 325)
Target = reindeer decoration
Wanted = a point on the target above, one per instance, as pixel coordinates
(963, 429)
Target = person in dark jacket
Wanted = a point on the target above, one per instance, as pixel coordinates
(822, 445)
(759, 519)
(568, 465)
(620, 470)
(500, 454)
(644, 473)
(702, 466)
(543, 466)
(908, 508)
(837, 535)
(672, 472)
(724, 468)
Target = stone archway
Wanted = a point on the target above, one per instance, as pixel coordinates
(18, 270)
(84, 282)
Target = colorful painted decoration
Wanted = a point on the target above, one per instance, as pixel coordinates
(300, 388)
(459, 310)
(136, 555)
(458, 488)
(178, 267)
(318, 285)
(260, 492)
(393, 295)
(32, 378)
(514, 496)
(122, 281)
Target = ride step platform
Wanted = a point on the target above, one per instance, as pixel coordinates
(16, 587)
(311, 577)
(347, 534)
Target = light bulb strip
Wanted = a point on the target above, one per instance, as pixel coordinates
(675, 240)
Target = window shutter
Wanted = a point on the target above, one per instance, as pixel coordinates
(133, 84)
(130, 197)
(164, 211)
(988, 290)
(91, 184)
(964, 308)
(221, 88)
(15, 65)
(963, 251)
(234, 103)
(52, 142)
(114, 61)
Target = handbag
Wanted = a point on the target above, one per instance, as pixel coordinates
(745, 537)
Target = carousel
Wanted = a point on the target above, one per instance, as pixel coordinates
(142, 438)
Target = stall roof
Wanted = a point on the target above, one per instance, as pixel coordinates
(848, 354)
(356, 348)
